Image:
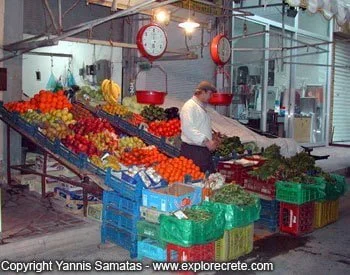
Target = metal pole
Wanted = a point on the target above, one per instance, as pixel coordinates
(320, 65)
(263, 122)
(59, 16)
(43, 178)
(8, 156)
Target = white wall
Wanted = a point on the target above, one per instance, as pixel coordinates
(83, 54)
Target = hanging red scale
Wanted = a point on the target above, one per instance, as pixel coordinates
(152, 42)
(220, 51)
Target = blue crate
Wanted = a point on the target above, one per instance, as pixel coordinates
(271, 225)
(120, 203)
(163, 201)
(269, 209)
(79, 160)
(95, 170)
(169, 149)
(28, 128)
(150, 139)
(269, 215)
(119, 237)
(120, 219)
(148, 248)
(128, 127)
(45, 141)
(73, 194)
(123, 188)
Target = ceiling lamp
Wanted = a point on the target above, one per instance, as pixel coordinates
(162, 16)
(189, 26)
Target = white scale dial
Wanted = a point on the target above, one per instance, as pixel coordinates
(224, 49)
(154, 41)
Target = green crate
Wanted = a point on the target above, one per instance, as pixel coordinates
(241, 241)
(222, 247)
(186, 233)
(149, 230)
(237, 216)
(300, 193)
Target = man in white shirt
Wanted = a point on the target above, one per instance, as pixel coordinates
(197, 140)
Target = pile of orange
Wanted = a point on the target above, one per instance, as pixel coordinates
(142, 156)
(45, 101)
(175, 169)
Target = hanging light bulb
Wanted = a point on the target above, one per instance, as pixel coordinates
(162, 16)
(189, 26)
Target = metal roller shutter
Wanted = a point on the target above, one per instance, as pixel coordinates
(341, 118)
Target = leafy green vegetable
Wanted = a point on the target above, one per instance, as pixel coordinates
(228, 145)
(197, 214)
(233, 194)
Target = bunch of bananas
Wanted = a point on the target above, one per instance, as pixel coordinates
(116, 109)
(110, 91)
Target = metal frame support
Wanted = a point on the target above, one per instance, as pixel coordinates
(43, 177)
(8, 154)
(263, 121)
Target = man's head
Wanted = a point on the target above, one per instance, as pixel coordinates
(204, 90)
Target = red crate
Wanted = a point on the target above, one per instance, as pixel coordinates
(233, 172)
(195, 253)
(263, 187)
(296, 219)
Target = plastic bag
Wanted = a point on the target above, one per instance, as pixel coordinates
(70, 79)
(51, 84)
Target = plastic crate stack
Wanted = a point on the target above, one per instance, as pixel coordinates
(149, 243)
(235, 171)
(121, 212)
(297, 205)
(269, 215)
(238, 236)
(327, 210)
(163, 201)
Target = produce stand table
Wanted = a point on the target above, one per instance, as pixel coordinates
(89, 183)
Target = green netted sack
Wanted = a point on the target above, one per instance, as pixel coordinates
(187, 232)
(334, 190)
(237, 215)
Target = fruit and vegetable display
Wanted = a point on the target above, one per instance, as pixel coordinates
(152, 113)
(215, 181)
(228, 145)
(45, 101)
(197, 215)
(79, 112)
(104, 141)
(233, 194)
(86, 126)
(132, 104)
(92, 92)
(144, 156)
(135, 119)
(80, 144)
(129, 143)
(111, 91)
(163, 128)
(115, 109)
(175, 169)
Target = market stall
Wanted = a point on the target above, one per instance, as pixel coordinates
(155, 205)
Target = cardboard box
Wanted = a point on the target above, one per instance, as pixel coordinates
(302, 129)
(51, 164)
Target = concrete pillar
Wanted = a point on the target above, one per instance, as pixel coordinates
(13, 31)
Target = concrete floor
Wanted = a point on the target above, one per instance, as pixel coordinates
(325, 251)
